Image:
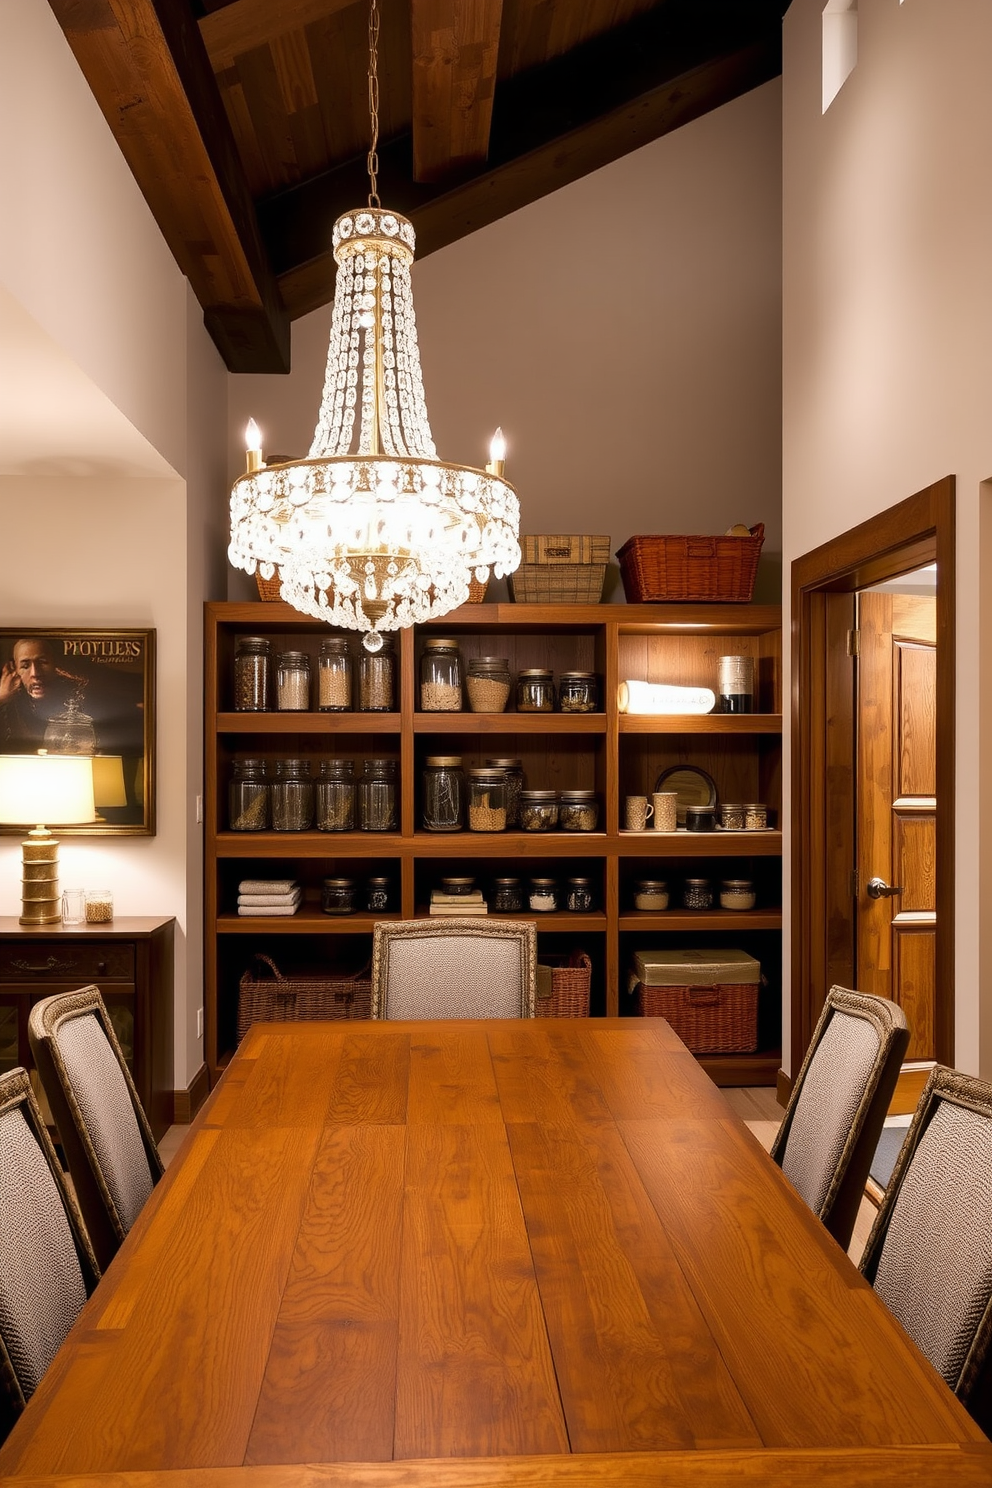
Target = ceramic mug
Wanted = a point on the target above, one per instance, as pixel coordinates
(639, 811)
(665, 811)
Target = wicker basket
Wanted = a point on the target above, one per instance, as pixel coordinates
(268, 589)
(279, 999)
(540, 583)
(665, 569)
(563, 989)
(721, 1019)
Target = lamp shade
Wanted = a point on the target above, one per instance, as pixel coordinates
(54, 789)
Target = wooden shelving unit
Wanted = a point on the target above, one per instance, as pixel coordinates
(615, 754)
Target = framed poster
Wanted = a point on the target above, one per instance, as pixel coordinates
(86, 692)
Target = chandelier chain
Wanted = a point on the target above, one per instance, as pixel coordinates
(373, 160)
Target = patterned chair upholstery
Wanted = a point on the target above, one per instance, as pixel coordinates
(112, 1156)
(454, 968)
(47, 1266)
(929, 1254)
(838, 1105)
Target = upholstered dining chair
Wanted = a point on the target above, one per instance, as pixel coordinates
(47, 1266)
(929, 1254)
(108, 1143)
(454, 968)
(838, 1105)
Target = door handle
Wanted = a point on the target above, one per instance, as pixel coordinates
(878, 889)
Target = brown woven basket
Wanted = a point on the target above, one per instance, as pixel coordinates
(665, 569)
(279, 999)
(721, 1019)
(565, 987)
(557, 583)
(268, 589)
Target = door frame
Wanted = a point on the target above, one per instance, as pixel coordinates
(917, 531)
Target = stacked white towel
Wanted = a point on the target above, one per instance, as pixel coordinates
(269, 896)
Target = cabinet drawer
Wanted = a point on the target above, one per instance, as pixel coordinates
(47, 961)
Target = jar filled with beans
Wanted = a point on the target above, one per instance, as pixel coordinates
(578, 811)
(486, 800)
(577, 692)
(488, 684)
(440, 677)
(292, 682)
(377, 679)
(252, 663)
(538, 810)
(535, 690)
(334, 675)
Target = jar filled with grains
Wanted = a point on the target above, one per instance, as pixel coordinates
(248, 796)
(737, 893)
(651, 893)
(334, 675)
(377, 679)
(377, 796)
(535, 690)
(440, 677)
(538, 810)
(377, 898)
(252, 660)
(335, 793)
(508, 896)
(577, 692)
(578, 895)
(99, 906)
(337, 896)
(543, 896)
(486, 800)
(292, 796)
(488, 684)
(755, 817)
(697, 893)
(443, 793)
(733, 816)
(513, 772)
(292, 682)
(578, 811)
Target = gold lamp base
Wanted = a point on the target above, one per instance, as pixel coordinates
(40, 897)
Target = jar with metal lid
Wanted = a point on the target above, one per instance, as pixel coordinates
(737, 893)
(578, 811)
(543, 895)
(755, 816)
(377, 679)
(651, 894)
(377, 894)
(440, 677)
(577, 692)
(334, 675)
(252, 661)
(735, 684)
(700, 818)
(292, 682)
(513, 773)
(486, 800)
(377, 796)
(458, 887)
(697, 893)
(335, 792)
(443, 793)
(488, 684)
(538, 810)
(248, 796)
(535, 690)
(292, 796)
(733, 816)
(508, 897)
(578, 895)
(337, 896)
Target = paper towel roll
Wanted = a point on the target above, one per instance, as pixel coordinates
(659, 697)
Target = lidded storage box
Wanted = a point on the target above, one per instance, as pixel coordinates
(709, 997)
(561, 570)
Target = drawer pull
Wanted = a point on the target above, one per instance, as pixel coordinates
(52, 964)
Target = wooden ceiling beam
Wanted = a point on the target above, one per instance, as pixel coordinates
(455, 52)
(148, 69)
(246, 24)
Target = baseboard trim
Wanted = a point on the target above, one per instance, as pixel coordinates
(187, 1102)
(783, 1087)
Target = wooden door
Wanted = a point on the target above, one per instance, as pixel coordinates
(896, 807)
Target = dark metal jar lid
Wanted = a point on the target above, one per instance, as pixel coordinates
(499, 663)
(580, 883)
(339, 883)
(575, 796)
(697, 883)
(251, 643)
(737, 883)
(444, 761)
(381, 882)
(504, 764)
(661, 883)
(578, 676)
(440, 643)
(542, 883)
(507, 883)
(487, 772)
(538, 797)
(536, 673)
(293, 658)
(337, 767)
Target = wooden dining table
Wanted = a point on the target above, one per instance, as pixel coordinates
(468, 1254)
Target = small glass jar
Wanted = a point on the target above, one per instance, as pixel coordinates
(578, 895)
(737, 893)
(535, 691)
(538, 810)
(377, 679)
(248, 796)
(733, 817)
(508, 896)
(651, 894)
(577, 692)
(337, 897)
(513, 773)
(700, 818)
(488, 684)
(458, 888)
(697, 893)
(292, 796)
(735, 684)
(578, 811)
(543, 895)
(335, 792)
(99, 906)
(334, 675)
(486, 800)
(252, 662)
(755, 816)
(377, 796)
(292, 682)
(440, 677)
(377, 894)
(443, 793)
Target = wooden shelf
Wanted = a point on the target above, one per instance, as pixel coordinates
(509, 723)
(766, 844)
(308, 723)
(701, 919)
(307, 921)
(700, 723)
(309, 844)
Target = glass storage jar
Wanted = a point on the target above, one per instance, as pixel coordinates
(700, 818)
(651, 894)
(733, 816)
(578, 895)
(338, 896)
(335, 792)
(457, 887)
(513, 773)
(334, 675)
(486, 800)
(543, 895)
(292, 796)
(377, 679)
(538, 810)
(508, 897)
(488, 684)
(535, 690)
(737, 893)
(377, 894)
(440, 677)
(697, 893)
(248, 796)
(292, 682)
(252, 661)
(578, 811)
(755, 816)
(443, 793)
(577, 692)
(377, 796)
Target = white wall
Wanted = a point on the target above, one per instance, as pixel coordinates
(887, 317)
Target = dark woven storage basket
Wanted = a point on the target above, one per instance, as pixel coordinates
(570, 983)
(662, 569)
(722, 1019)
(279, 999)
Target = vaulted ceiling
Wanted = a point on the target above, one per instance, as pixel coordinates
(246, 122)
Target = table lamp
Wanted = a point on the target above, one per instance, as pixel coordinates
(42, 788)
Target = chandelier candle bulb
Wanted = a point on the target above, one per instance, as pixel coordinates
(497, 454)
(253, 448)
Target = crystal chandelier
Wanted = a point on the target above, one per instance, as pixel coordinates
(372, 531)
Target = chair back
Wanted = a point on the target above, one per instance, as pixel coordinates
(454, 968)
(838, 1105)
(47, 1267)
(929, 1254)
(109, 1146)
